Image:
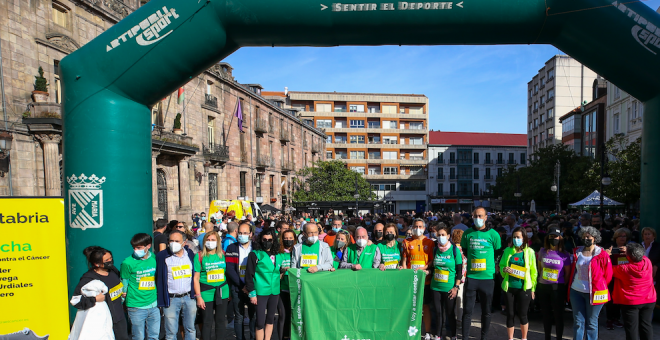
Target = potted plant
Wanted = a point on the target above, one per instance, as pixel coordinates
(40, 93)
(177, 125)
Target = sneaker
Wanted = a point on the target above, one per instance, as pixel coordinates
(427, 336)
(25, 334)
(618, 324)
(610, 325)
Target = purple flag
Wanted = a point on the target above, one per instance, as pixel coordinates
(239, 115)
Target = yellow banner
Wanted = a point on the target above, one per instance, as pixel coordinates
(33, 281)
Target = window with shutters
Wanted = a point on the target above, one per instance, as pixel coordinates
(389, 108)
(60, 14)
(323, 107)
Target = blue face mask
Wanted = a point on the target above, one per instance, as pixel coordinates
(367, 223)
(336, 230)
(243, 239)
(517, 242)
(140, 253)
(479, 222)
(203, 218)
(399, 225)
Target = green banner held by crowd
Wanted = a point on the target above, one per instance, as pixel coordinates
(365, 304)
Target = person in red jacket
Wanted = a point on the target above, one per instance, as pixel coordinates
(591, 272)
(634, 292)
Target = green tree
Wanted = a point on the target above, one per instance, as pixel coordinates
(329, 181)
(624, 167)
(575, 181)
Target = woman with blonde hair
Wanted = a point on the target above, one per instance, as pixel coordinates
(211, 287)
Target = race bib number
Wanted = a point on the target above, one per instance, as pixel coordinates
(216, 275)
(181, 272)
(147, 283)
(550, 274)
(309, 260)
(401, 238)
(115, 292)
(242, 271)
(391, 264)
(622, 260)
(518, 271)
(600, 296)
(417, 264)
(441, 275)
(478, 265)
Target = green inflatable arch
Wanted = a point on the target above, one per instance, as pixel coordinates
(110, 82)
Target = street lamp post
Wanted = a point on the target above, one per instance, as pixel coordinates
(518, 194)
(356, 194)
(604, 180)
(555, 186)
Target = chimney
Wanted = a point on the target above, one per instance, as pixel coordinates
(286, 90)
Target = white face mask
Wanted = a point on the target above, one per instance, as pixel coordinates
(312, 239)
(442, 240)
(418, 232)
(211, 244)
(361, 243)
(529, 234)
(175, 247)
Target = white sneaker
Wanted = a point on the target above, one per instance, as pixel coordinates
(427, 336)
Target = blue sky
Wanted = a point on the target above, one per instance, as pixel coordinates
(470, 88)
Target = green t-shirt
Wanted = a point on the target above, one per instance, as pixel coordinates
(212, 274)
(444, 270)
(390, 256)
(141, 276)
(479, 246)
(519, 260)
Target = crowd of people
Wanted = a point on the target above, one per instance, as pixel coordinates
(219, 273)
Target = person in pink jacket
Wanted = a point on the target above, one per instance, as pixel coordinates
(634, 292)
(591, 272)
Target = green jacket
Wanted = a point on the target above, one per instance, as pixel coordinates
(530, 264)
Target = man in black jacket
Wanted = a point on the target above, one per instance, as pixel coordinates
(236, 256)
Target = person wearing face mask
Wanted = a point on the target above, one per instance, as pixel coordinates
(313, 255)
(479, 245)
(554, 270)
(175, 286)
(377, 234)
(287, 240)
(336, 225)
(403, 229)
(342, 241)
(138, 274)
(237, 258)
(519, 274)
(417, 253)
(591, 272)
(361, 255)
(211, 286)
(447, 273)
(262, 280)
(390, 249)
(101, 268)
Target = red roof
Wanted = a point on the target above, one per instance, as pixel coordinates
(477, 138)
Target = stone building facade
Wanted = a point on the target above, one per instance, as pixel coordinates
(211, 158)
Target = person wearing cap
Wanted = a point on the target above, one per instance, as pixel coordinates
(554, 264)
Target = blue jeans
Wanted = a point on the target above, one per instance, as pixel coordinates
(186, 306)
(241, 302)
(144, 317)
(584, 314)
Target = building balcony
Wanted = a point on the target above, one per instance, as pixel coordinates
(535, 110)
(170, 143)
(305, 144)
(363, 115)
(464, 161)
(43, 118)
(365, 130)
(261, 126)
(263, 161)
(284, 136)
(316, 148)
(452, 161)
(464, 193)
(211, 101)
(511, 162)
(452, 178)
(488, 161)
(488, 178)
(465, 177)
(384, 177)
(216, 153)
(244, 157)
(287, 166)
(440, 178)
(500, 162)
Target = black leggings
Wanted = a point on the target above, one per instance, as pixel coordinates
(121, 330)
(485, 289)
(637, 321)
(214, 314)
(552, 298)
(266, 308)
(517, 303)
(284, 315)
(445, 308)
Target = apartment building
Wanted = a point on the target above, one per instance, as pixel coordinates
(624, 114)
(381, 136)
(560, 86)
(583, 128)
(464, 165)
